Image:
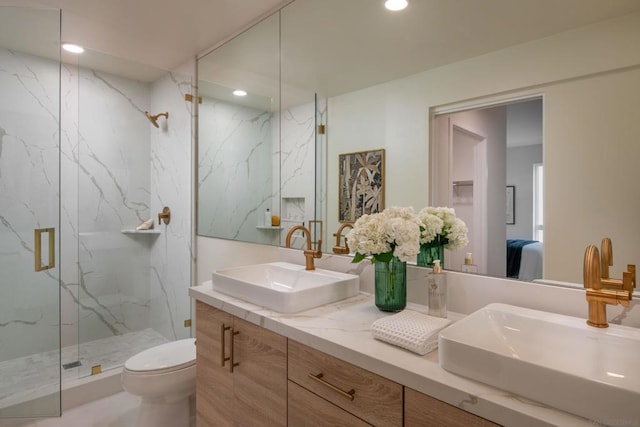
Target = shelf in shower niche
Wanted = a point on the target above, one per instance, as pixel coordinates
(262, 227)
(134, 231)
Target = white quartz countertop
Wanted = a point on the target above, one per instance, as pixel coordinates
(342, 329)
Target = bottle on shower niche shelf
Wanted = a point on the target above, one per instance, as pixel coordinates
(437, 287)
(469, 266)
(267, 218)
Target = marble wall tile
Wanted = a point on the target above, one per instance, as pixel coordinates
(114, 173)
(297, 163)
(234, 144)
(29, 171)
(235, 158)
(69, 237)
(171, 170)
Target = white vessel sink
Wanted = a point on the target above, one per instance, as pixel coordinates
(553, 359)
(285, 287)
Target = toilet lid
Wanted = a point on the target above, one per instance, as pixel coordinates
(173, 355)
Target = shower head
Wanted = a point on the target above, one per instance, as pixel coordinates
(154, 118)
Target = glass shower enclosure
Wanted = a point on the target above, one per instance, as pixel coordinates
(29, 212)
(81, 166)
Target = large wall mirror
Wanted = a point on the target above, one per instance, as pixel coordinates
(398, 81)
(256, 140)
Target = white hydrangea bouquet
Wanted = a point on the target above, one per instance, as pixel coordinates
(441, 226)
(440, 229)
(392, 232)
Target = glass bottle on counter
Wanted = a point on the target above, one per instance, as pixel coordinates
(437, 287)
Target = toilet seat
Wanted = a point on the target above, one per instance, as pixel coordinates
(172, 356)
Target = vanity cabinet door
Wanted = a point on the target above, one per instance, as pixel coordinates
(368, 396)
(214, 383)
(260, 378)
(421, 410)
(254, 392)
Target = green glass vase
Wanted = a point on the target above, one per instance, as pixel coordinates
(429, 253)
(391, 285)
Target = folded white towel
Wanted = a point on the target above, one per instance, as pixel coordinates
(146, 225)
(411, 330)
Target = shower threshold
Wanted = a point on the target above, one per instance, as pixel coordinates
(35, 376)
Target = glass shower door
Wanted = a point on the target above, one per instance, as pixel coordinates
(29, 212)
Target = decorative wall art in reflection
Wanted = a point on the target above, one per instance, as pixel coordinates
(361, 184)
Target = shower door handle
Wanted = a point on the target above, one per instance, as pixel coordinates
(37, 253)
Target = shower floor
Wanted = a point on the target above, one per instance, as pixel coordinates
(30, 377)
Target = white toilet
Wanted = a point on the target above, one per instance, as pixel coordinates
(165, 378)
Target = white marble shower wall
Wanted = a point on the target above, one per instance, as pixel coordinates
(171, 255)
(113, 173)
(28, 199)
(235, 159)
(243, 153)
(128, 171)
(116, 170)
(297, 160)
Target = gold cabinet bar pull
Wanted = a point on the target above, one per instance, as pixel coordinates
(37, 253)
(223, 329)
(232, 363)
(348, 394)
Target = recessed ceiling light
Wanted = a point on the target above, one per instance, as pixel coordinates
(240, 92)
(396, 4)
(73, 48)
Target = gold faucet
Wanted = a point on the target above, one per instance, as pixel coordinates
(337, 249)
(626, 283)
(597, 297)
(309, 253)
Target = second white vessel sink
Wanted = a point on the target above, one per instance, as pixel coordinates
(285, 287)
(553, 359)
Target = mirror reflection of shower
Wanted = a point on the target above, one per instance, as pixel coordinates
(153, 118)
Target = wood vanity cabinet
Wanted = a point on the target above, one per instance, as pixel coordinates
(279, 382)
(254, 391)
(421, 410)
(328, 391)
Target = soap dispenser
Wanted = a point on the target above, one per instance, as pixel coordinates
(469, 266)
(437, 284)
(267, 218)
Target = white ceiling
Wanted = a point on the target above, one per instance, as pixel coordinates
(333, 46)
(348, 44)
(160, 33)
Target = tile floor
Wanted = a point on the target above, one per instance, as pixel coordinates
(117, 410)
(30, 377)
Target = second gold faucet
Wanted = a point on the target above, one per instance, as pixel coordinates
(337, 249)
